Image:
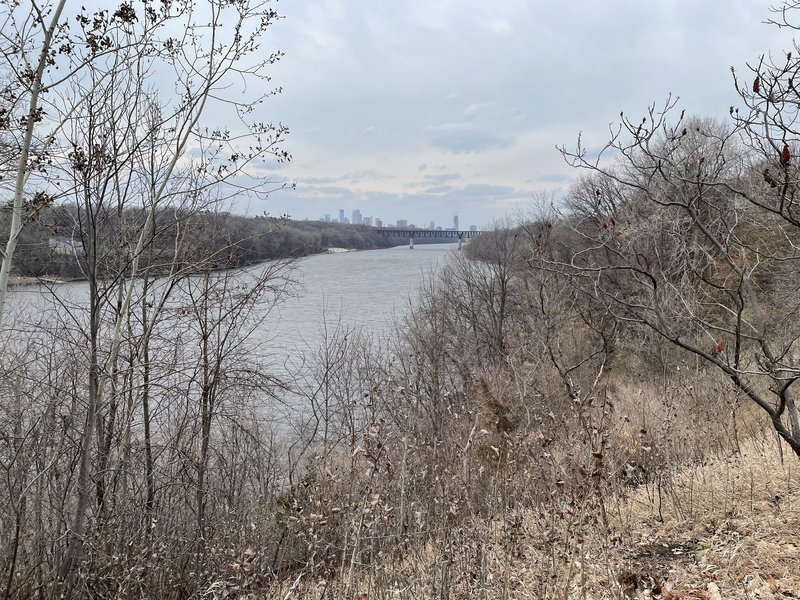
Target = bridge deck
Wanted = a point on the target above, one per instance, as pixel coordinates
(429, 233)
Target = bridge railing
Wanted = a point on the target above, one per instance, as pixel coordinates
(427, 233)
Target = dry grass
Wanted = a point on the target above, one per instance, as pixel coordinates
(731, 522)
(717, 517)
(723, 529)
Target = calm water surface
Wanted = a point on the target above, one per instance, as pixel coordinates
(364, 289)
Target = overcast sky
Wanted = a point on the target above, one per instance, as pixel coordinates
(419, 109)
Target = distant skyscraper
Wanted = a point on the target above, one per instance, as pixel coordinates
(473, 228)
(341, 215)
(368, 221)
(433, 225)
(402, 223)
(327, 218)
(357, 219)
(455, 221)
(378, 223)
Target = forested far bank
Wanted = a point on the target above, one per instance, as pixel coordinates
(53, 243)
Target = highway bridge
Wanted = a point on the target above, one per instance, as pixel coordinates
(427, 233)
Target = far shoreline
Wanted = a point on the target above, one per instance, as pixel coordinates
(15, 281)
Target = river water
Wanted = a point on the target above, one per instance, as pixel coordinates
(359, 290)
(335, 294)
(355, 290)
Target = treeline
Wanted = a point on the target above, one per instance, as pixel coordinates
(52, 244)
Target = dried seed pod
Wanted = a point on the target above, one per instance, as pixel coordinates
(785, 155)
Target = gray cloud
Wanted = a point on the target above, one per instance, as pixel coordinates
(487, 191)
(331, 190)
(316, 180)
(441, 189)
(481, 93)
(553, 178)
(274, 165)
(442, 177)
(466, 138)
(370, 174)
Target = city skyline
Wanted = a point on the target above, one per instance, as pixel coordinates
(357, 218)
(418, 110)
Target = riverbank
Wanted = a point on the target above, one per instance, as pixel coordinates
(21, 280)
(213, 240)
(721, 529)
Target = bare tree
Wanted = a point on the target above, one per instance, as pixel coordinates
(47, 50)
(91, 127)
(690, 252)
(226, 310)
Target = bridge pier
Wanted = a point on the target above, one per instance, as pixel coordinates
(411, 243)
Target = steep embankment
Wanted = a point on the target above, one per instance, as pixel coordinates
(724, 529)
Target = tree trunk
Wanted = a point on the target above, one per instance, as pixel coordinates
(32, 118)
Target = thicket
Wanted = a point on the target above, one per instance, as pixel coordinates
(503, 396)
(148, 447)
